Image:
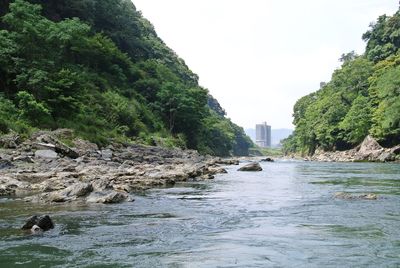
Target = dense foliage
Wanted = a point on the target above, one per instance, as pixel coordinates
(362, 98)
(98, 67)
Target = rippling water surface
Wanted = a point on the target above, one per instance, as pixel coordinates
(284, 216)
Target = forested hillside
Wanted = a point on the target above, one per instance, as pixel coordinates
(98, 67)
(362, 98)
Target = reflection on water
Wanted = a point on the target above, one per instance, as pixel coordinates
(284, 216)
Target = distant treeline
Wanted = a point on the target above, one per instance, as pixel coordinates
(362, 98)
(98, 67)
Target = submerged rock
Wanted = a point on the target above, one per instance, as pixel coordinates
(349, 196)
(254, 166)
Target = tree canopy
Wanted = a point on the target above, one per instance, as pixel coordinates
(98, 67)
(362, 98)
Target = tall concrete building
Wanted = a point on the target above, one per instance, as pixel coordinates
(263, 135)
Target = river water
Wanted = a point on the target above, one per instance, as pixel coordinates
(284, 216)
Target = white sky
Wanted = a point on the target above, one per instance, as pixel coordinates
(257, 57)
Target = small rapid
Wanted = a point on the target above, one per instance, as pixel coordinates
(283, 216)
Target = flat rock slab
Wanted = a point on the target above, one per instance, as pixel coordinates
(49, 154)
(254, 166)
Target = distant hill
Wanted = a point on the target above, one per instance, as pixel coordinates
(276, 136)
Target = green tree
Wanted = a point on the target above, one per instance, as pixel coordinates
(357, 121)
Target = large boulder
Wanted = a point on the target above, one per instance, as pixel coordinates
(106, 154)
(369, 145)
(70, 193)
(52, 141)
(80, 189)
(387, 157)
(38, 224)
(395, 150)
(254, 166)
(83, 147)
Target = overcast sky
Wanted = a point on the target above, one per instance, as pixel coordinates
(257, 57)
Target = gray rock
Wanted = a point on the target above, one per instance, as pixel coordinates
(56, 196)
(80, 189)
(112, 197)
(216, 170)
(387, 157)
(23, 158)
(106, 154)
(207, 177)
(8, 190)
(83, 147)
(369, 144)
(50, 141)
(10, 141)
(254, 166)
(49, 154)
(68, 194)
(395, 150)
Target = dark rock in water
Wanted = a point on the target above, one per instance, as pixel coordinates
(268, 159)
(254, 166)
(43, 222)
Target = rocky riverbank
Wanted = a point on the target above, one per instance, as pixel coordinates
(369, 150)
(43, 168)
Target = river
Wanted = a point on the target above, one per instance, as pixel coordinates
(284, 216)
